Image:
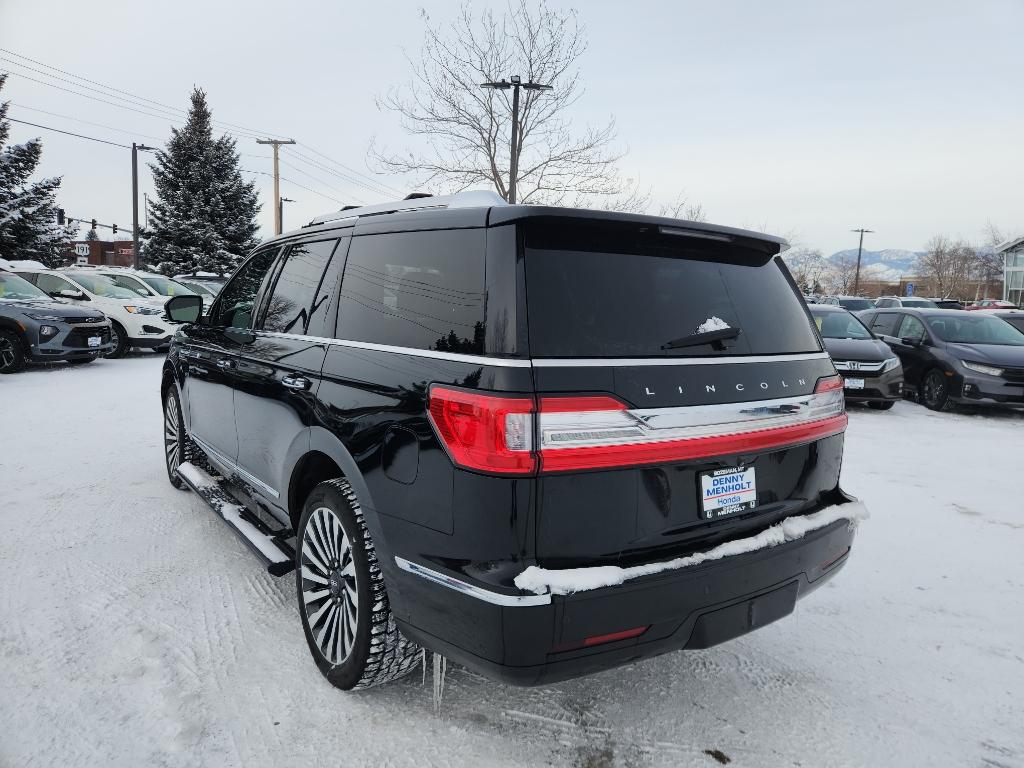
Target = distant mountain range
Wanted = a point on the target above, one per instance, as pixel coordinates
(889, 264)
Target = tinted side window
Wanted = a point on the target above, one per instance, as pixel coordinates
(53, 284)
(416, 289)
(236, 301)
(884, 323)
(911, 328)
(291, 301)
(130, 283)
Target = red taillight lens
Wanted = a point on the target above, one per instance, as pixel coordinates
(828, 384)
(490, 433)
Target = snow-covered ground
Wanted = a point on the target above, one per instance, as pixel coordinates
(136, 630)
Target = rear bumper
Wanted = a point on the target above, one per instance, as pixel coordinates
(524, 642)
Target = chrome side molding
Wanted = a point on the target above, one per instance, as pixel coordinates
(495, 598)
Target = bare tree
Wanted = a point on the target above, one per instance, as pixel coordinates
(807, 266)
(949, 265)
(466, 129)
(844, 274)
(989, 264)
(683, 208)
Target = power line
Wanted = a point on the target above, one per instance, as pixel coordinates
(86, 122)
(294, 183)
(69, 133)
(352, 170)
(345, 177)
(321, 181)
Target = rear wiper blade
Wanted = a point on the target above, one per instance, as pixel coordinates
(707, 337)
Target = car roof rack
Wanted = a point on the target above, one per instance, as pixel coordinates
(475, 198)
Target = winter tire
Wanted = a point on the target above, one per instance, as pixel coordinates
(343, 602)
(178, 446)
(12, 356)
(881, 405)
(119, 336)
(935, 390)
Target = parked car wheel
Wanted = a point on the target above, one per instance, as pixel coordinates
(12, 356)
(178, 446)
(343, 602)
(881, 405)
(119, 336)
(935, 390)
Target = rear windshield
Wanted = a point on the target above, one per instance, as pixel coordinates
(922, 303)
(617, 291)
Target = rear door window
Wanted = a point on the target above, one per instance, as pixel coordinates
(884, 323)
(599, 290)
(290, 304)
(423, 290)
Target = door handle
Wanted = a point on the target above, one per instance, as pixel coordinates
(226, 363)
(296, 382)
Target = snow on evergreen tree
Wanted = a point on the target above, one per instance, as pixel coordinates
(28, 211)
(91, 235)
(204, 214)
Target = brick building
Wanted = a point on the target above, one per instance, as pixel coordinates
(110, 253)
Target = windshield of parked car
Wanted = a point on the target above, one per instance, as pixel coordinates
(100, 285)
(855, 305)
(840, 325)
(1017, 321)
(18, 288)
(199, 288)
(971, 329)
(166, 287)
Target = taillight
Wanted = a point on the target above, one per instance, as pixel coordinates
(485, 432)
(513, 435)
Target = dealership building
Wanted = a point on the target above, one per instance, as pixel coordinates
(1012, 252)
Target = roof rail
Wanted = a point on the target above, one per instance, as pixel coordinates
(474, 198)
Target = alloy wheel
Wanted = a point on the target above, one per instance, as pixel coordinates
(172, 436)
(330, 597)
(6, 352)
(934, 386)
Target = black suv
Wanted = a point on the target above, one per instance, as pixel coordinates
(539, 441)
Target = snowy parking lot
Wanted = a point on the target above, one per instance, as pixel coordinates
(136, 630)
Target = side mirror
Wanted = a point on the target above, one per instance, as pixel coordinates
(67, 293)
(185, 308)
(911, 342)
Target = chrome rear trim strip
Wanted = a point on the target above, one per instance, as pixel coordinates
(495, 598)
(678, 361)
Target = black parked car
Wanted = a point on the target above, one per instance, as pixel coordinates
(870, 369)
(951, 356)
(451, 403)
(36, 327)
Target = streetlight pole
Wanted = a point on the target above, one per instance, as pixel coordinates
(860, 247)
(280, 212)
(515, 83)
(135, 199)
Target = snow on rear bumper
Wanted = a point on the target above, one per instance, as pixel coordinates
(695, 606)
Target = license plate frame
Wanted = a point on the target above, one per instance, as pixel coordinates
(727, 491)
(95, 341)
(853, 383)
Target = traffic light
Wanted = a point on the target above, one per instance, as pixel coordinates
(114, 229)
(94, 223)
(60, 216)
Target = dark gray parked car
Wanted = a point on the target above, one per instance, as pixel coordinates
(35, 327)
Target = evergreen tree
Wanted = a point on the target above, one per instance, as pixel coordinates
(91, 235)
(204, 214)
(28, 211)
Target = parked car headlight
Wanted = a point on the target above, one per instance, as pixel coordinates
(135, 309)
(891, 363)
(48, 330)
(991, 370)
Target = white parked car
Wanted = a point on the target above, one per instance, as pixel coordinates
(150, 284)
(136, 321)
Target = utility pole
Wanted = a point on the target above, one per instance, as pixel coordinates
(860, 247)
(276, 144)
(280, 211)
(515, 83)
(135, 200)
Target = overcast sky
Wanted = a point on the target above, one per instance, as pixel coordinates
(801, 118)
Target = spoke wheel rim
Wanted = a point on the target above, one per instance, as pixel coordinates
(6, 353)
(933, 386)
(172, 438)
(330, 594)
